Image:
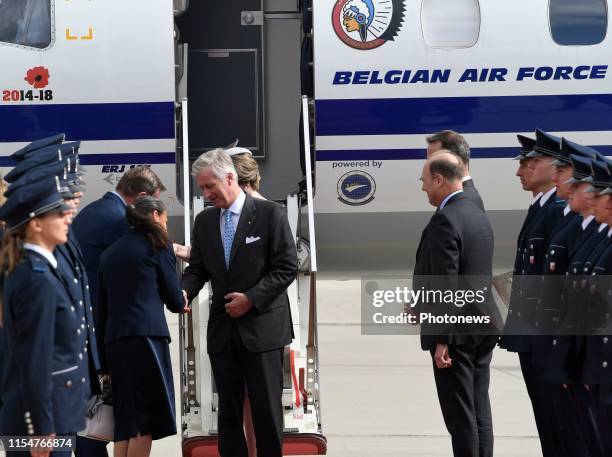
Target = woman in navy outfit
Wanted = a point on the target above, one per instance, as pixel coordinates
(136, 277)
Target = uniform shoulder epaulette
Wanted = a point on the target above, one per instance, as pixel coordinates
(38, 265)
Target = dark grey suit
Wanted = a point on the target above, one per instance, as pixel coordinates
(247, 350)
(472, 194)
(458, 243)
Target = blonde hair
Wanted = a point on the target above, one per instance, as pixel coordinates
(3, 188)
(247, 170)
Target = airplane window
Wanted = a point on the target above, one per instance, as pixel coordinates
(450, 24)
(26, 22)
(578, 22)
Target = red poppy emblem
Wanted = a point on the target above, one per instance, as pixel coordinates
(38, 77)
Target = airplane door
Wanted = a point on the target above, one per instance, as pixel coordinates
(225, 74)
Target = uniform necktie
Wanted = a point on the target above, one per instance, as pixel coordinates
(228, 236)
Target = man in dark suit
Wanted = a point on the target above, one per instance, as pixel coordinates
(102, 222)
(454, 143)
(244, 246)
(457, 244)
(96, 227)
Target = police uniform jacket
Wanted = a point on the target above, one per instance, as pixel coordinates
(532, 243)
(551, 351)
(598, 294)
(43, 389)
(72, 272)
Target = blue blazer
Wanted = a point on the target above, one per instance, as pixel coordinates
(96, 227)
(134, 283)
(45, 383)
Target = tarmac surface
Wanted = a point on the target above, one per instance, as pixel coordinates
(378, 396)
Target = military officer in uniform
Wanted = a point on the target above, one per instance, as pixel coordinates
(43, 389)
(600, 344)
(551, 352)
(536, 172)
(592, 290)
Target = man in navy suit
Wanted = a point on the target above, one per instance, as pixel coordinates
(455, 144)
(245, 248)
(96, 227)
(102, 222)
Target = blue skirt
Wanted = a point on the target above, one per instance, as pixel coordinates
(142, 386)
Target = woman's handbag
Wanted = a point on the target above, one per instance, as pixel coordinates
(99, 418)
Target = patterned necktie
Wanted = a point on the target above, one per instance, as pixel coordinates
(228, 236)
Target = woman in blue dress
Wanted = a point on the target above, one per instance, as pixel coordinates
(136, 277)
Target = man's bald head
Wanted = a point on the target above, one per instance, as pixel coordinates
(447, 164)
(442, 175)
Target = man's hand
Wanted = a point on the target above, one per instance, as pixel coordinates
(182, 252)
(186, 308)
(239, 304)
(441, 357)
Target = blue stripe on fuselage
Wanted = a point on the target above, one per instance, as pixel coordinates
(415, 154)
(88, 121)
(129, 158)
(402, 116)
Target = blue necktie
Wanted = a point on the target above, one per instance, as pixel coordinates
(228, 236)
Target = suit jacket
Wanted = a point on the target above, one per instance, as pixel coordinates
(262, 269)
(44, 384)
(472, 194)
(96, 227)
(458, 241)
(134, 283)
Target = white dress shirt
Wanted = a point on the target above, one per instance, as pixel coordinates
(42, 251)
(587, 221)
(236, 209)
(536, 198)
(546, 196)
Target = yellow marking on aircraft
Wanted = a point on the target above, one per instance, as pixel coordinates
(70, 37)
(89, 35)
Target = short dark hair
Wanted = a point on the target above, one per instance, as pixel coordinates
(449, 170)
(140, 179)
(454, 143)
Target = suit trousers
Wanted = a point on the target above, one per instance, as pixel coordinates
(463, 392)
(262, 373)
